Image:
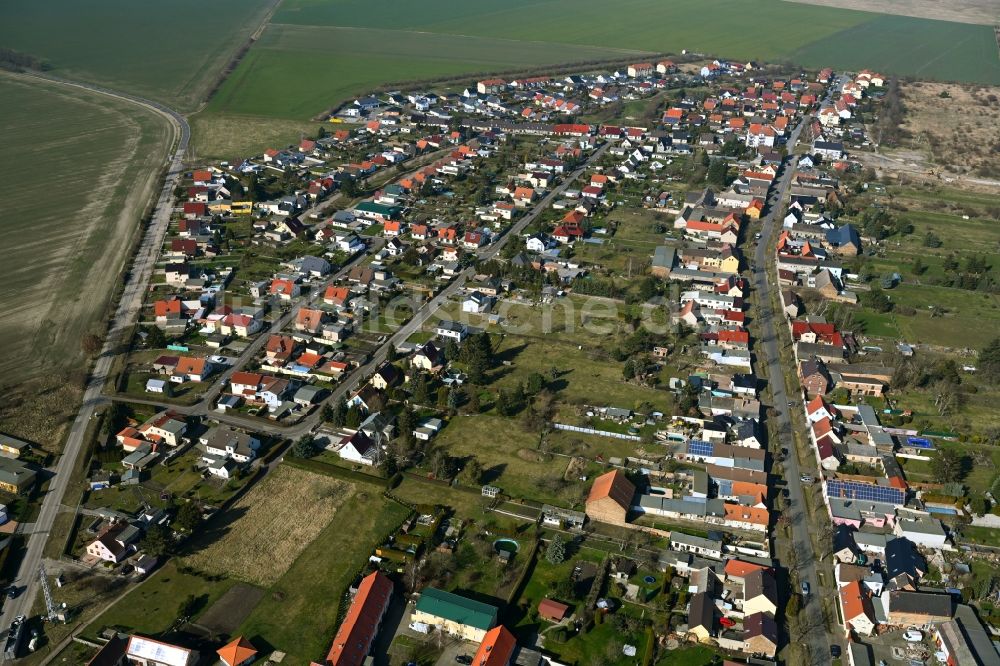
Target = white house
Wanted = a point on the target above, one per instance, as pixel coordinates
(454, 330)
(226, 442)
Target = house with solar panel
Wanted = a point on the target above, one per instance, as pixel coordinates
(856, 503)
(141, 651)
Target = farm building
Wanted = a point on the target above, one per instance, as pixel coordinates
(610, 498)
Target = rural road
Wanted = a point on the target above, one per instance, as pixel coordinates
(137, 279)
(816, 636)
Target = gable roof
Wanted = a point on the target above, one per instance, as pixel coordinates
(496, 649)
(456, 608)
(613, 485)
(356, 632)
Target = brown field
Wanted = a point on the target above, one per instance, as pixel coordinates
(78, 172)
(271, 525)
(960, 131)
(226, 615)
(985, 12)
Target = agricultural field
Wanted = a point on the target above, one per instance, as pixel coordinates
(173, 51)
(985, 12)
(79, 170)
(295, 72)
(271, 525)
(812, 35)
(299, 613)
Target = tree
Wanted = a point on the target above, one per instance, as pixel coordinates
(717, 173)
(534, 383)
(556, 551)
(188, 517)
(353, 418)
(628, 370)
(950, 466)
(979, 505)
(305, 447)
(155, 338)
(339, 416)
(474, 405)
(989, 361)
(91, 343)
(156, 541)
(326, 413)
(188, 607)
(473, 472)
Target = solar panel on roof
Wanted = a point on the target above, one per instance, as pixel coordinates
(699, 448)
(864, 491)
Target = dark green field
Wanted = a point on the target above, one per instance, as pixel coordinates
(744, 29)
(172, 51)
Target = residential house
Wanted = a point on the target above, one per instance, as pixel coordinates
(356, 634)
(226, 442)
(454, 614)
(142, 651)
(856, 609)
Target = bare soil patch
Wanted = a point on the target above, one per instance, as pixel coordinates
(226, 615)
(959, 125)
(267, 529)
(985, 12)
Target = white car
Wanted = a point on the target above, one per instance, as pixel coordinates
(913, 636)
(219, 360)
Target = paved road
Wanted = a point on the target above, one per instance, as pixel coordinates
(128, 308)
(817, 637)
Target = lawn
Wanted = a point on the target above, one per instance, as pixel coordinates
(65, 244)
(299, 613)
(152, 607)
(170, 51)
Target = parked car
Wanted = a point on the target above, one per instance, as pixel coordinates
(805, 588)
(913, 636)
(463, 659)
(835, 651)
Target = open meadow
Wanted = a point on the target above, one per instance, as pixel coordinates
(79, 169)
(173, 51)
(271, 525)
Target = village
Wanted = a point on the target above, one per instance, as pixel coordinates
(530, 331)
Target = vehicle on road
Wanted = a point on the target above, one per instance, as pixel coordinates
(756, 236)
(805, 478)
(463, 659)
(805, 588)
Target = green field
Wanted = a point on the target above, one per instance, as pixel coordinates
(171, 51)
(812, 35)
(299, 612)
(77, 171)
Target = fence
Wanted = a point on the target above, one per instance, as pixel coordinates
(601, 433)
